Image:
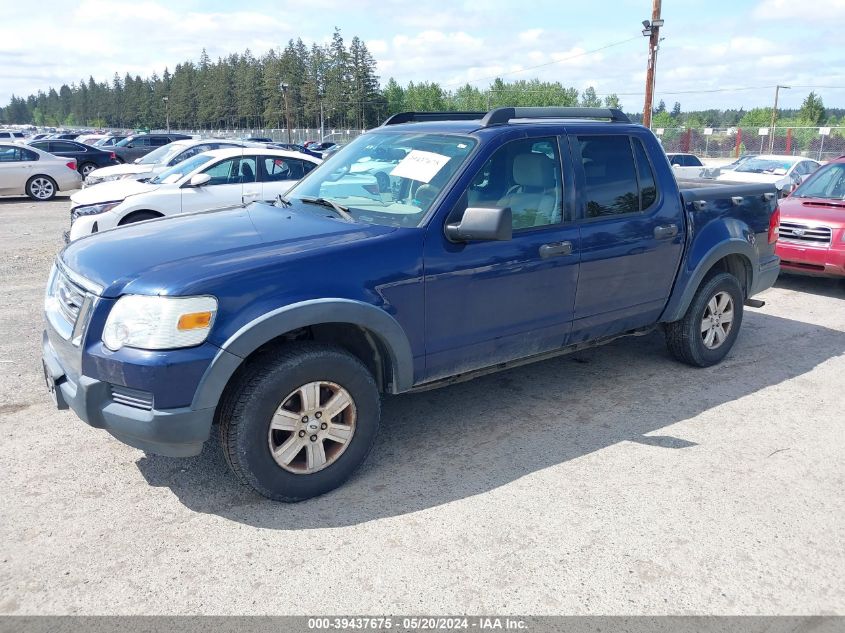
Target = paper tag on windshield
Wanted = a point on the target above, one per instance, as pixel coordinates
(420, 166)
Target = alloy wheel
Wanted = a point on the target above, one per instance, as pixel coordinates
(717, 320)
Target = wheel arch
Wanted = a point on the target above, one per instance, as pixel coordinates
(734, 256)
(366, 331)
(128, 218)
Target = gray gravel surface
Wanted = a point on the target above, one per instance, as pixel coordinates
(614, 481)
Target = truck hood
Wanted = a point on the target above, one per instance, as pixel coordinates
(110, 191)
(828, 212)
(120, 170)
(173, 255)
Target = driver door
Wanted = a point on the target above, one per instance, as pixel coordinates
(233, 182)
(496, 301)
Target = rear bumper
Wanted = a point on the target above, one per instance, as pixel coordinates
(172, 432)
(825, 262)
(69, 181)
(766, 276)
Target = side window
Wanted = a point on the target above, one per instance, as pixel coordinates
(676, 160)
(188, 153)
(693, 161)
(10, 154)
(158, 141)
(277, 168)
(232, 171)
(64, 146)
(524, 175)
(610, 176)
(141, 141)
(645, 174)
(307, 166)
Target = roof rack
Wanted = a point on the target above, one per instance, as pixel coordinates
(505, 115)
(416, 117)
(500, 116)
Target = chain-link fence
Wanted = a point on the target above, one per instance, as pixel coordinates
(278, 135)
(819, 143)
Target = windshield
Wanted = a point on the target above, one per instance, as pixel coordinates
(387, 178)
(765, 166)
(828, 182)
(178, 171)
(161, 154)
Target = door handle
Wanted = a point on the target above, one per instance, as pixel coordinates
(665, 232)
(249, 196)
(555, 249)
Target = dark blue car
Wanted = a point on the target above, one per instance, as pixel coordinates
(433, 249)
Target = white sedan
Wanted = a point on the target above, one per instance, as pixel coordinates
(771, 168)
(160, 159)
(212, 180)
(36, 173)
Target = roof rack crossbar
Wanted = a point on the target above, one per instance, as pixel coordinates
(411, 117)
(505, 115)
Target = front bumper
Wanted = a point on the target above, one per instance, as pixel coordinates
(173, 432)
(812, 260)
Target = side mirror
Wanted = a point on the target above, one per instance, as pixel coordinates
(787, 189)
(131, 145)
(198, 180)
(482, 224)
(136, 161)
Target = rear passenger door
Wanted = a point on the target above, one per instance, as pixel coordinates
(632, 234)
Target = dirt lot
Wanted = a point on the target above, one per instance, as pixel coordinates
(614, 481)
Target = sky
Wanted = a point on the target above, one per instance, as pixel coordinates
(716, 53)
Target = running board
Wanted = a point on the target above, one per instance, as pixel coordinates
(754, 303)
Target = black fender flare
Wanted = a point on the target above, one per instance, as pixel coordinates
(681, 298)
(273, 324)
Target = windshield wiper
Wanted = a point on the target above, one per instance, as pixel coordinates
(281, 201)
(325, 202)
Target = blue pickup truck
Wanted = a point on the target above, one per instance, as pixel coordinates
(433, 249)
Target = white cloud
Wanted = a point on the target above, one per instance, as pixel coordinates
(828, 11)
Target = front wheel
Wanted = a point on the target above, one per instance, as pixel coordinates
(299, 421)
(708, 330)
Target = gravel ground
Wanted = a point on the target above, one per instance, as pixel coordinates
(614, 481)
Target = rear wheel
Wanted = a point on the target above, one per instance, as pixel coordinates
(708, 330)
(299, 421)
(86, 168)
(41, 188)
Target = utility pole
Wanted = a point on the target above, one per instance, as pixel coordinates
(284, 88)
(774, 118)
(652, 31)
(167, 110)
(322, 122)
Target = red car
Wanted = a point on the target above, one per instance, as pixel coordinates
(811, 239)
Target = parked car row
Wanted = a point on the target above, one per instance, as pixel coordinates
(780, 170)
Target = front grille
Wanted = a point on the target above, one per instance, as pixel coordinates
(68, 304)
(134, 398)
(69, 298)
(804, 233)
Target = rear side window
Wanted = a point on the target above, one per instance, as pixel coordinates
(610, 176)
(692, 161)
(64, 146)
(616, 183)
(645, 174)
(158, 141)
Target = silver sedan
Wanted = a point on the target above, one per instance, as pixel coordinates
(34, 172)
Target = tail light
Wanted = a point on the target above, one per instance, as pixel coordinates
(113, 156)
(72, 165)
(774, 225)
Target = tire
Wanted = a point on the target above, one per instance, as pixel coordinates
(41, 188)
(86, 168)
(688, 340)
(139, 216)
(269, 392)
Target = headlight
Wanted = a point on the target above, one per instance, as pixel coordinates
(159, 322)
(94, 209)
